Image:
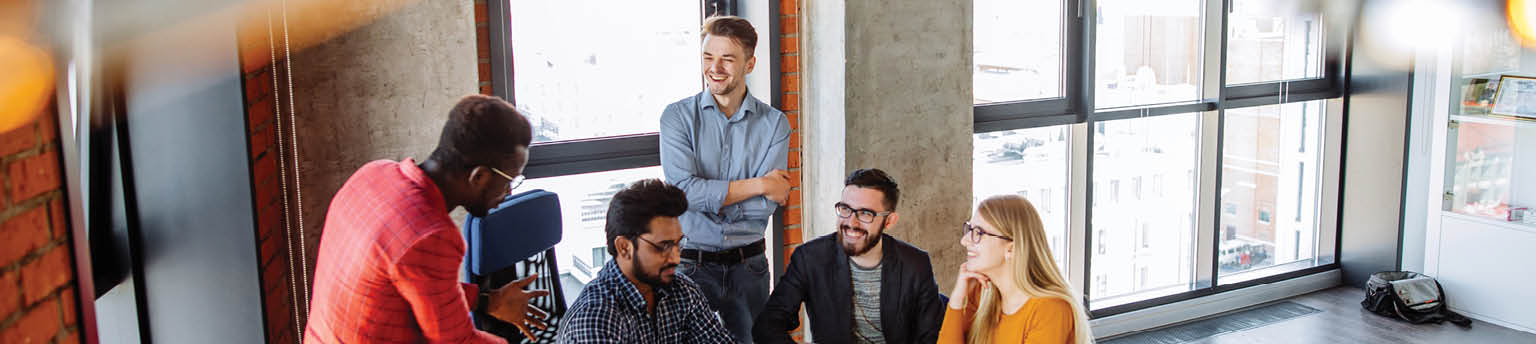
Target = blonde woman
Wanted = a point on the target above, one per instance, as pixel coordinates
(1009, 289)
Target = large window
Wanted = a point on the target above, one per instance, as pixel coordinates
(1018, 51)
(1154, 235)
(595, 94)
(580, 81)
(1148, 52)
(1270, 41)
(1180, 146)
(1270, 176)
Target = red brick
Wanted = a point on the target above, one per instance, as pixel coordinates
(59, 218)
(22, 234)
(480, 13)
(794, 140)
(259, 86)
(22, 138)
(48, 127)
(791, 102)
(789, 7)
(792, 216)
(41, 277)
(789, 45)
(794, 175)
(261, 139)
(486, 90)
(260, 112)
(35, 175)
(71, 337)
(789, 25)
(792, 236)
(38, 326)
(789, 64)
(483, 48)
(794, 119)
(67, 303)
(10, 294)
(794, 198)
(790, 82)
(485, 71)
(794, 161)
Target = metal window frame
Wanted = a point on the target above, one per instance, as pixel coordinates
(1076, 107)
(600, 154)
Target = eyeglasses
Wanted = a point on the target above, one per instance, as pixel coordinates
(973, 234)
(666, 247)
(514, 181)
(864, 215)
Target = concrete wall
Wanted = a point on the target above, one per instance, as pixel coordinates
(379, 92)
(906, 109)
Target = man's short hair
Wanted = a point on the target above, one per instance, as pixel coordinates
(736, 28)
(873, 178)
(481, 130)
(631, 210)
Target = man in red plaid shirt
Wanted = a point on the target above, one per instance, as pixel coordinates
(389, 256)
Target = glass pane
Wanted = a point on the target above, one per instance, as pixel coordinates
(1269, 187)
(1486, 178)
(1148, 52)
(1018, 50)
(583, 248)
(1143, 242)
(1033, 163)
(1270, 40)
(580, 81)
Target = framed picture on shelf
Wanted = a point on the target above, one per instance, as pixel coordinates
(1477, 96)
(1516, 97)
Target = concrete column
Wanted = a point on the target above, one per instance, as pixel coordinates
(382, 91)
(889, 87)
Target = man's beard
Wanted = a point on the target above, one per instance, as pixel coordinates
(647, 277)
(869, 241)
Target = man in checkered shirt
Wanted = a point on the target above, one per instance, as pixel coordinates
(638, 297)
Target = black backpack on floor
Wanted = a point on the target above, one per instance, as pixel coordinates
(1411, 297)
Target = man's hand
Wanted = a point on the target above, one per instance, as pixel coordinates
(776, 186)
(510, 304)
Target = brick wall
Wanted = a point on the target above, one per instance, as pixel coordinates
(37, 274)
(261, 125)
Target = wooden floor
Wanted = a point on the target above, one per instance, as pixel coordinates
(1343, 321)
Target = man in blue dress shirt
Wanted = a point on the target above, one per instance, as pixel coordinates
(729, 152)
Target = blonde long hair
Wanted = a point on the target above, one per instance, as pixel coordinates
(1033, 269)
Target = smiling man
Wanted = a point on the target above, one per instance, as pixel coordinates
(728, 151)
(859, 285)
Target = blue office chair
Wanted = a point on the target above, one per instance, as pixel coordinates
(516, 239)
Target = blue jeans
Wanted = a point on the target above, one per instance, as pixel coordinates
(737, 291)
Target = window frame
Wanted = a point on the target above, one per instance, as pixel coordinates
(622, 152)
(1076, 107)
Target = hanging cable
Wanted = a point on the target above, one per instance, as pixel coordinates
(277, 127)
(298, 188)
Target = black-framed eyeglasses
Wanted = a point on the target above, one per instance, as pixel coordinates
(863, 215)
(513, 182)
(665, 247)
(973, 234)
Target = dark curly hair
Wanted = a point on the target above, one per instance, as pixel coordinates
(631, 210)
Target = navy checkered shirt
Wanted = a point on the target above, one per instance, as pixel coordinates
(611, 310)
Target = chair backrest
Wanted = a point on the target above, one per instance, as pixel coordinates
(520, 227)
(512, 241)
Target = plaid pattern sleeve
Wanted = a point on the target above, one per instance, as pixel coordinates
(427, 277)
(610, 310)
(388, 262)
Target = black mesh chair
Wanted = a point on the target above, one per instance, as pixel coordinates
(511, 242)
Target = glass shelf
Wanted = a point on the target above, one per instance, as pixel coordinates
(1492, 170)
